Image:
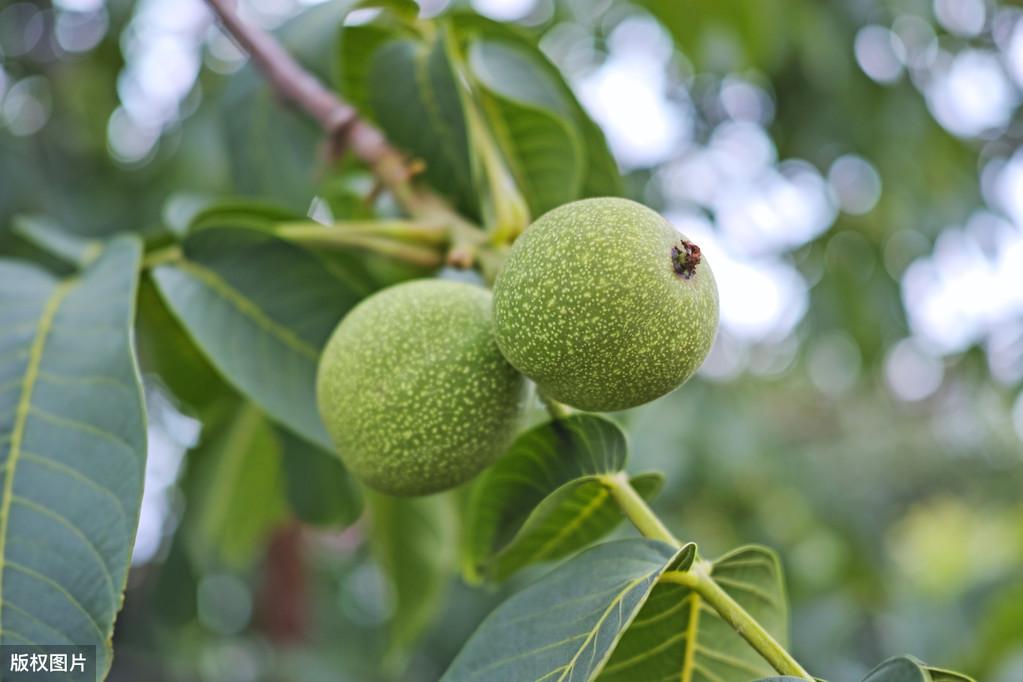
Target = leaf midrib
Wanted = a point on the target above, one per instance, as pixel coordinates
(21, 413)
(579, 518)
(248, 309)
(689, 660)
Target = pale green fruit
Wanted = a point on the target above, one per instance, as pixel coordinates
(413, 390)
(605, 305)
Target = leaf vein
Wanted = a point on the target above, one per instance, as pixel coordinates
(35, 356)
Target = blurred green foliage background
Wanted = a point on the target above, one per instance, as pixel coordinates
(853, 170)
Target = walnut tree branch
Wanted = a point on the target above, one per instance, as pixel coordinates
(340, 122)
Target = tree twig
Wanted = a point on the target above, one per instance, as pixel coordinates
(286, 76)
(337, 118)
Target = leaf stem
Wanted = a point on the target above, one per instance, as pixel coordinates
(333, 238)
(167, 254)
(403, 230)
(555, 409)
(637, 510)
(698, 578)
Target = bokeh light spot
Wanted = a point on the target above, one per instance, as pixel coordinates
(912, 374)
(879, 53)
(856, 184)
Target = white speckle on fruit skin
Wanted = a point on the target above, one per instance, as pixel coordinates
(590, 307)
(413, 389)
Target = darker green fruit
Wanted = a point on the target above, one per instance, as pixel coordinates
(413, 389)
(605, 305)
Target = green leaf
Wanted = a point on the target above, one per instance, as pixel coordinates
(172, 597)
(241, 212)
(544, 499)
(575, 515)
(311, 34)
(910, 669)
(531, 123)
(250, 214)
(167, 354)
(902, 669)
(565, 626)
(414, 96)
(408, 87)
(414, 540)
(260, 309)
(757, 34)
(941, 675)
(355, 50)
(56, 241)
(239, 498)
(73, 436)
(271, 149)
(678, 636)
(320, 491)
(601, 174)
(406, 10)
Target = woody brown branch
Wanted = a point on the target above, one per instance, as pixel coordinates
(346, 129)
(338, 119)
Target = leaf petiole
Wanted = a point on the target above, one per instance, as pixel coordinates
(637, 510)
(556, 410)
(698, 579)
(389, 239)
(413, 231)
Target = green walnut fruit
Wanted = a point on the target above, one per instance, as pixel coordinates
(605, 305)
(413, 389)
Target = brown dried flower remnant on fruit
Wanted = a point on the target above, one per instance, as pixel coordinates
(684, 258)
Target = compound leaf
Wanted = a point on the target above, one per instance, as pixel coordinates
(272, 151)
(281, 165)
